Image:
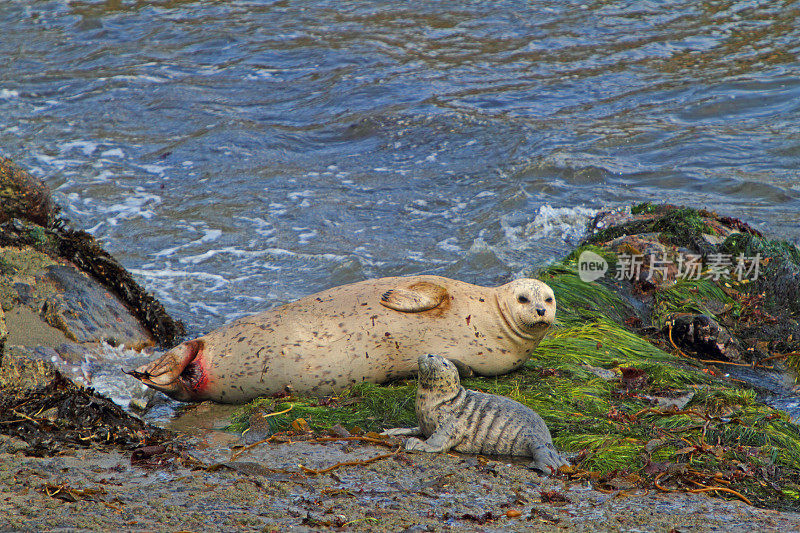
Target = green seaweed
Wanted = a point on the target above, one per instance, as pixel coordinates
(677, 226)
(779, 251)
(578, 300)
(694, 296)
(644, 208)
(368, 406)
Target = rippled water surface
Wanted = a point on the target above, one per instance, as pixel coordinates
(237, 155)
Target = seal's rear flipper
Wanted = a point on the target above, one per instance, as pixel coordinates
(136, 374)
(178, 373)
(416, 298)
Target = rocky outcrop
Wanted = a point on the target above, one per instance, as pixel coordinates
(65, 303)
(24, 197)
(50, 301)
(53, 278)
(717, 288)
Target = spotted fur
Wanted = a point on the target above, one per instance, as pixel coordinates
(373, 330)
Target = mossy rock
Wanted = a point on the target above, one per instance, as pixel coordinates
(30, 221)
(23, 196)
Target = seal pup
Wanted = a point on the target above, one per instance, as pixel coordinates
(373, 331)
(452, 417)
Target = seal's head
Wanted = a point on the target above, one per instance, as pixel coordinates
(437, 374)
(180, 373)
(528, 305)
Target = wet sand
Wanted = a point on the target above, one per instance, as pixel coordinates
(264, 490)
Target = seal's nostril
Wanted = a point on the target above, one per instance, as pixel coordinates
(540, 311)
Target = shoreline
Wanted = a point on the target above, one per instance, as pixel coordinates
(597, 380)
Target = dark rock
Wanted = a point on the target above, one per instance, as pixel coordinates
(84, 251)
(23, 196)
(30, 221)
(86, 312)
(55, 294)
(704, 336)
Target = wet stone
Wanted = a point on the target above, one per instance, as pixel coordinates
(12, 445)
(47, 296)
(86, 312)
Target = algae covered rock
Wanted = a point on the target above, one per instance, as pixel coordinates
(21, 374)
(52, 276)
(66, 306)
(23, 196)
(49, 413)
(717, 287)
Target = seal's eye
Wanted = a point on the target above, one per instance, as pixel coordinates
(549, 299)
(522, 299)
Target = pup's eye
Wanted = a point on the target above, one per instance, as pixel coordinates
(549, 299)
(522, 299)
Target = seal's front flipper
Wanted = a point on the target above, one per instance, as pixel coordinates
(403, 432)
(443, 438)
(546, 458)
(418, 297)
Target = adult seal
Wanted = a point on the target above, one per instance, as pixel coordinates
(373, 331)
(454, 418)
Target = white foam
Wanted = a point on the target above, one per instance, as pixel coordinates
(87, 147)
(209, 235)
(211, 309)
(216, 281)
(282, 252)
(103, 177)
(567, 223)
(449, 245)
(156, 169)
(133, 206)
(296, 195)
(54, 162)
(114, 152)
(200, 258)
(8, 94)
(262, 227)
(615, 165)
(73, 200)
(420, 213)
(307, 235)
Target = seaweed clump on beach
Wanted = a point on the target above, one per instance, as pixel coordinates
(60, 415)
